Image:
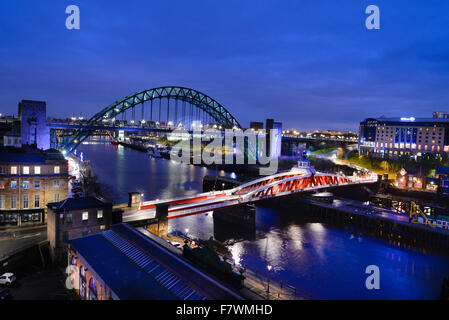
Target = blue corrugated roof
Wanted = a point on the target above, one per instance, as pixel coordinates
(155, 273)
(124, 277)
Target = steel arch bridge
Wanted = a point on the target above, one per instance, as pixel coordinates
(210, 107)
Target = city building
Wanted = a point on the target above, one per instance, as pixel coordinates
(33, 124)
(256, 125)
(394, 137)
(128, 264)
(73, 218)
(29, 179)
(11, 139)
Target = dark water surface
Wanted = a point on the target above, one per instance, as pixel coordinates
(318, 259)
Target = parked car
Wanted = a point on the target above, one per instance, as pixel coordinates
(5, 294)
(7, 279)
(176, 244)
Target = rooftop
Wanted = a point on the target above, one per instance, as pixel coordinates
(135, 266)
(28, 154)
(410, 120)
(78, 203)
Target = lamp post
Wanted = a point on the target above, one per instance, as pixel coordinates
(268, 281)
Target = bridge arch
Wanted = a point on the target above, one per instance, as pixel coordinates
(216, 112)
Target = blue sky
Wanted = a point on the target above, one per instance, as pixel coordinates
(309, 64)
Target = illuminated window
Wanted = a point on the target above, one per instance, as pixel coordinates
(37, 170)
(14, 170)
(85, 216)
(26, 170)
(56, 170)
(100, 214)
(37, 200)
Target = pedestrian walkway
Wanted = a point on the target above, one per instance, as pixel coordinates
(270, 289)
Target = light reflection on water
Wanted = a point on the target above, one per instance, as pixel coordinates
(317, 259)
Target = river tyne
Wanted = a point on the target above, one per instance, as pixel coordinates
(321, 261)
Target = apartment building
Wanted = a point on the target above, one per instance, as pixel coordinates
(29, 179)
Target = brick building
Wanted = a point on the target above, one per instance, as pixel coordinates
(76, 217)
(29, 179)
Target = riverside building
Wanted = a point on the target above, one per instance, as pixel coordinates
(395, 137)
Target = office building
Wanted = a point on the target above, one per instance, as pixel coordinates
(394, 137)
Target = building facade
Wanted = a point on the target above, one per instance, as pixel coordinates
(33, 123)
(29, 179)
(395, 137)
(73, 218)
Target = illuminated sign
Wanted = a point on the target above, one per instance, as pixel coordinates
(408, 119)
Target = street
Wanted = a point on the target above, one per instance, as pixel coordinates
(14, 239)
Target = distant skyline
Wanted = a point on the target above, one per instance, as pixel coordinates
(308, 64)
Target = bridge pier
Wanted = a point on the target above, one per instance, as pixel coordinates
(159, 225)
(242, 216)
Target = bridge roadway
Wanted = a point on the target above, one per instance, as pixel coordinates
(297, 180)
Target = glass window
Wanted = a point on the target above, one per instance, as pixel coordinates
(37, 184)
(26, 170)
(25, 185)
(37, 170)
(2, 170)
(25, 201)
(396, 135)
(2, 184)
(69, 218)
(56, 183)
(13, 202)
(56, 170)
(56, 197)
(100, 214)
(13, 184)
(13, 170)
(92, 289)
(37, 200)
(2, 202)
(85, 216)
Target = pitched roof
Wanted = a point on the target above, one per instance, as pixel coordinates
(78, 203)
(136, 266)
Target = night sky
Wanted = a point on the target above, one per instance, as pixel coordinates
(309, 64)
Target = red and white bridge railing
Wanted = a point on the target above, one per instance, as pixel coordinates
(279, 185)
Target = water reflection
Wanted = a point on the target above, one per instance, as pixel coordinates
(316, 258)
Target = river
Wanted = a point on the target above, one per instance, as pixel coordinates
(321, 261)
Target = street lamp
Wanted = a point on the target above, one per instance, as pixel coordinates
(268, 279)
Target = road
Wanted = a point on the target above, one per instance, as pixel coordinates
(13, 240)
